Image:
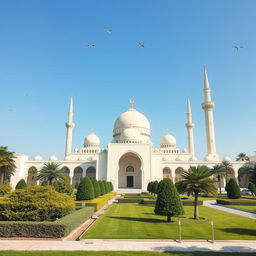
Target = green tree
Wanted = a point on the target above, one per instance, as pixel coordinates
(21, 184)
(105, 186)
(226, 165)
(197, 180)
(111, 187)
(154, 187)
(168, 201)
(220, 172)
(7, 164)
(96, 187)
(252, 188)
(51, 172)
(249, 169)
(102, 187)
(233, 190)
(242, 157)
(63, 187)
(85, 190)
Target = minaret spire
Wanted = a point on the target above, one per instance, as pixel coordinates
(190, 126)
(69, 125)
(208, 106)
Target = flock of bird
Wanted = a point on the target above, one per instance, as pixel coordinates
(141, 45)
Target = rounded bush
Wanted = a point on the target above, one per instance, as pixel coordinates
(21, 184)
(102, 187)
(96, 187)
(35, 203)
(233, 190)
(85, 190)
(105, 186)
(63, 187)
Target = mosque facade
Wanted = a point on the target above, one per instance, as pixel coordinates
(130, 160)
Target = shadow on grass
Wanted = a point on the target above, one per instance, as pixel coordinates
(150, 220)
(240, 231)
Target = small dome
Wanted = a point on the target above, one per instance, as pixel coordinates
(92, 140)
(168, 141)
(53, 158)
(38, 158)
(130, 135)
(226, 158)
(184, 150)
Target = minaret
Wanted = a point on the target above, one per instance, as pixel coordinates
(190, 125)
(70, 125)
(208, 106)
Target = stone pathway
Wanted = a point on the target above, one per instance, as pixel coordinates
(213, 204)
(128, 245)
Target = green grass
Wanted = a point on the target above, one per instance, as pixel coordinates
(90, 253)
(139, 221)
(251, 208)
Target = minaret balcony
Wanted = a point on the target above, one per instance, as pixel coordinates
(208, 105)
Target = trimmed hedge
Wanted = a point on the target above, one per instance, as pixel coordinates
(46, 229)
(130, 200)
(235, 202)
(185, 203)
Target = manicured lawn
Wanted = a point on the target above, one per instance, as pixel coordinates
(88, 253)
(139, 221)
(251, 208)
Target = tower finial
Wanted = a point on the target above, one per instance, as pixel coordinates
(131, 104)
(188, 106)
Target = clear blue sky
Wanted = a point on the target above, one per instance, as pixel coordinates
(44, 60)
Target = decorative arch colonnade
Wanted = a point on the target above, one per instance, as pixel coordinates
(76, 174)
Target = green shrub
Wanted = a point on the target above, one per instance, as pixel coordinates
(154, 186)
(44, 183)
(21, 184)
(5, 188)
(77, 185)
(236, 202)
(85, 190)
(168, 201)
(111, 186)
(105, 186)
(96, 188)
(35, 203)
(102, 187)
(252, 188)
(63, 187)
(149, 187)
(56, 229)
(233, 190)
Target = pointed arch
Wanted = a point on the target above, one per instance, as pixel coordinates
(91, 172)
(167, 173)
(78, 175)
(178, 172)
(32, 174)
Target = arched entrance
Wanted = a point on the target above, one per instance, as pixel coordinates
(32, 173)
(130, 174)
(178, 172)
(78, 175)
(167, 173)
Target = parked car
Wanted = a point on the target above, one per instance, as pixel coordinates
(246, 192)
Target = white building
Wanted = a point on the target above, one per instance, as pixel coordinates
(131, 160)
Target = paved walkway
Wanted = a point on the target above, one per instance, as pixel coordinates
(213, 204)
(128, 245)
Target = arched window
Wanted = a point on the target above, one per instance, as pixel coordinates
(32, 174)
(78, 175)
(178, 172)
(167, 173)
(91, 173)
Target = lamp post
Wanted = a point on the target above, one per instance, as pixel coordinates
(212, 225)
(179, 223)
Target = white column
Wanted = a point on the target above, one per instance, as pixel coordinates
(69, 125)
(190, 126)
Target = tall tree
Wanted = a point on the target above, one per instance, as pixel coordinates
(242, 157)
(197, 180)
(51, 172)
(249, 169)
(7, 164)
(226, 165)
(220, 173)
(168, 201)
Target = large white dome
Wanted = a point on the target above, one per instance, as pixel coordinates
(92, 140)
(132, 119)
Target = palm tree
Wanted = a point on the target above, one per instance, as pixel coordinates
(249, 169)
(7, 164)
(197, 180)
(220, 172)
(226, 165)
(242, 157)
(51, 172)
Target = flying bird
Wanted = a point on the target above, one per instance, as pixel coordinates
(90, 45)
(237, 47)
(108, 30)
(141, 45)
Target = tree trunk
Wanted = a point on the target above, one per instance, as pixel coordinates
(219, 180)
(195, 206)
(168, 218)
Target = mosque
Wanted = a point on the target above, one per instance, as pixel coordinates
(130, 160)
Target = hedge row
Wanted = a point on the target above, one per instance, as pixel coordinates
(97, 203)
(46, 229)
(185, 203)
(235, 202)
(130, 200)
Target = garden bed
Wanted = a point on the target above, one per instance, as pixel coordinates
(236, 202)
